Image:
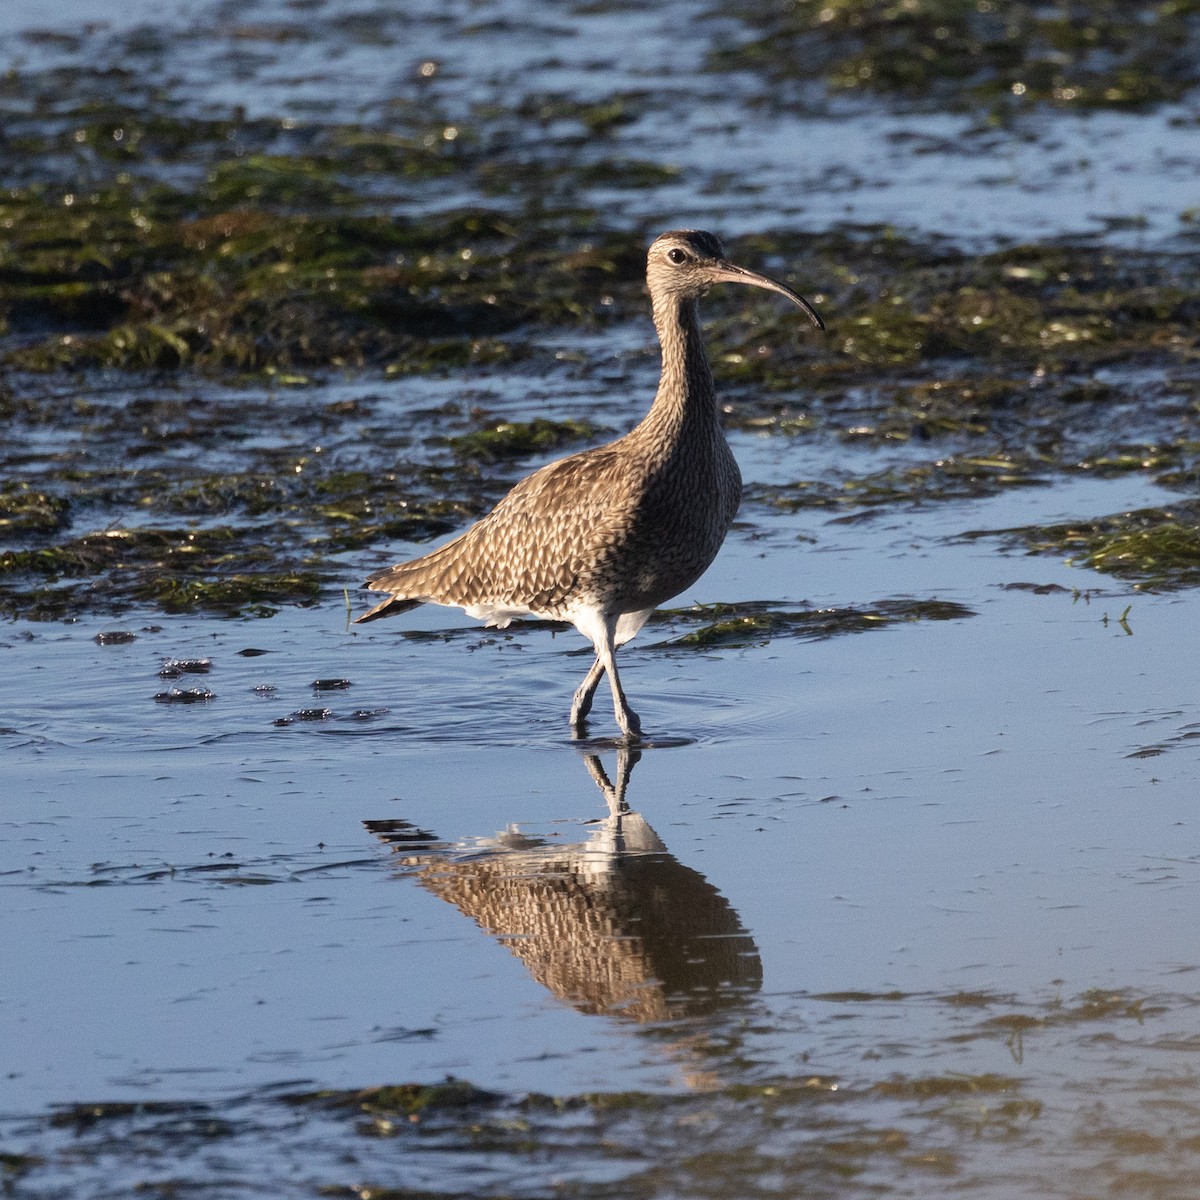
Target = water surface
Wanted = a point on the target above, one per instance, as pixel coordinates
(900, 906)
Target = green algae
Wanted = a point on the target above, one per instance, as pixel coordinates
(218, 245)
(276, 181)
(237, 594)
(735, 1128)
(1152, 548)
(998, 403)
(224, 243)
(598, 118)
(26, 511)
(280, 257)
(926, 1087)
(238, 506)
(754, 623)
(954, 477)
(815, 1129)
(521, 439)
(136, 277)
(1160, 552)
(901, 303)
(160, 280)
(971, 54)
(404, 1100)
(179, 570)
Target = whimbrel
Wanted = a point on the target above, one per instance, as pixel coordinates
(602, 538)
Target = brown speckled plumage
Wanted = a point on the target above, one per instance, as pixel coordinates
(603, 537)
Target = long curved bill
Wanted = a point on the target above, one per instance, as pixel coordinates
(731, 273)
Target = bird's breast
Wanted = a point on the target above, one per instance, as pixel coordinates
(673, 528)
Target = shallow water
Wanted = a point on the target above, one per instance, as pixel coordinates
(740, 163)
(997, 807)
(907, 911)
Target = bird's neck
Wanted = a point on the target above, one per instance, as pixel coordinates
(686, 397)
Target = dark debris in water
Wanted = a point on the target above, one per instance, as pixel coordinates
(397, 832)
(1186, 735)
(1037, 589)
(368, 714)
(173, 668)
(192, 695)
(305, 714)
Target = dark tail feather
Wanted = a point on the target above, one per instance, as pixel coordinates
(387, 608)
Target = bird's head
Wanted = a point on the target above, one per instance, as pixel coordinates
(685, 263)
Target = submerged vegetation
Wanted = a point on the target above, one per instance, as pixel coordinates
(249, 351)
(1011, 367)
(1077, 53)
(881, 1128)
(719, 625)
(157, 278)
(163, 279)
(181, 284)
(1153, 548)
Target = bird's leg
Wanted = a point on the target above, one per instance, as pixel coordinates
(582, 704)
(606, 656)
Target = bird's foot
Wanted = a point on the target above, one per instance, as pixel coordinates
(631, 726)
(579, 711)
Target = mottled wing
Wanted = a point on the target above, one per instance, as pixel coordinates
(528, 553)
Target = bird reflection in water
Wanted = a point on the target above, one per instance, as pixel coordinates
(615, 925)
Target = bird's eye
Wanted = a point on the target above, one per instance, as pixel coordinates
(676, 256)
